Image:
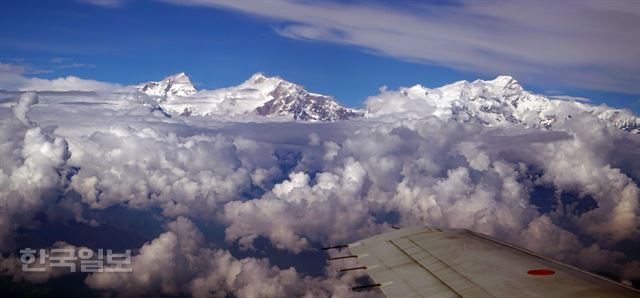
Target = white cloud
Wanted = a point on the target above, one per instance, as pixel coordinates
(24, 103)
(179, 262)
(30, 170)
(69, 83)
(14, 79)
(570, 98)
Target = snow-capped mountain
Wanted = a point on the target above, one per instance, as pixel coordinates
(171, 88)
(259, 95)
(501, 101)
(290, 99)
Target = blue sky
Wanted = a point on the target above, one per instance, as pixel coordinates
(222, 43)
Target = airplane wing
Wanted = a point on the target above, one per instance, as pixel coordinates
(435, 263)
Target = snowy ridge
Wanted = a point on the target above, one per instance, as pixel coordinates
(259, 95)
(501, 101)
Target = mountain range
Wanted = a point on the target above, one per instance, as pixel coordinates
(502, 101)
(259, 95)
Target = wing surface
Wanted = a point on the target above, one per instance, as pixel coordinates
(429, 262)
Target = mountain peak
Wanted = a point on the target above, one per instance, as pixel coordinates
(179, 76)
(258, 76)
(292, 100)
(265, 84)
(171, 87)
(505, 81)
(506, 78)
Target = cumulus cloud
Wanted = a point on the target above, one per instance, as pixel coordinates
(453, 175)
(579, 43)
(468, 188)
(179, 262)
(334, 202)
(150, 168)
(31, 169)
(24, 103)
(616, 194)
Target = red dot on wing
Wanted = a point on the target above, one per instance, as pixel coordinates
(541, 272)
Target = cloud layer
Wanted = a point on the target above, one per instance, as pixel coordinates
(299, 186)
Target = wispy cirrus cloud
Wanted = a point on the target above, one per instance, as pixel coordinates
(77, 65)
(587, 44)
(61, 62)
(104, 3)
(570, 98)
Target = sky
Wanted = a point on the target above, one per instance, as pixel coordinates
(348, 49)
